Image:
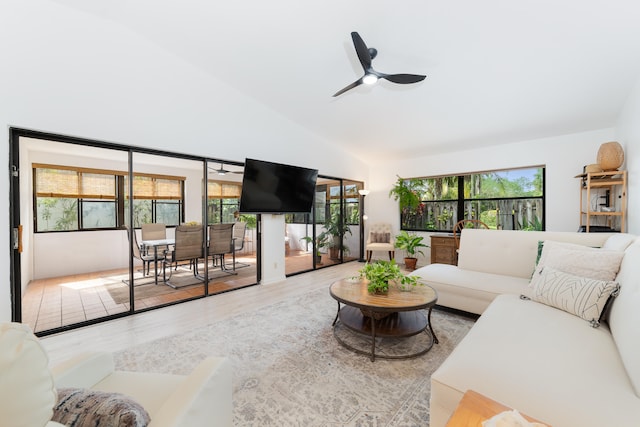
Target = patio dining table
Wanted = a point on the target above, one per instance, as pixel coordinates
(155, 244)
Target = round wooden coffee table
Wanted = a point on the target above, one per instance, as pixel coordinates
(395, 314)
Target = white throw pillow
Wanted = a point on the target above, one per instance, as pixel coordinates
(581, 296)
(579, 260)
(618, 242)
(26, 383)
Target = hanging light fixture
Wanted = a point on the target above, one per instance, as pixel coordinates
(222, 170)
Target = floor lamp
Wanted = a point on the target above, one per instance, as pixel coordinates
(362, 193)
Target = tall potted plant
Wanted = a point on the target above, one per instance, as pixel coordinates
(322, 240)
(410, 243)
(336, 229)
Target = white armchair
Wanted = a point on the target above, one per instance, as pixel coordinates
(380, 238)
(28, 387)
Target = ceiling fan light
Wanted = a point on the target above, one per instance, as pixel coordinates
(221, 172)
(369, 79)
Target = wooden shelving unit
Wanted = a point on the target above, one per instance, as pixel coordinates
(609, 190)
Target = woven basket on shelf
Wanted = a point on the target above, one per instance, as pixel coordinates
(610, 156)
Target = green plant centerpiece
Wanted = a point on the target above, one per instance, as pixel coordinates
(382, 274)
(411, 243)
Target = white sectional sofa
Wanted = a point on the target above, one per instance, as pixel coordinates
(541, 360)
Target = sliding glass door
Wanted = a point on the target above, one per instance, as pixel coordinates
(104, 230)
(110, 230)
(74, 250)
(232, 236)
(329, 234)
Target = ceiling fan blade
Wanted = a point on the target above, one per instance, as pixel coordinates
(361, 49)
(403, 78)
(351, 86)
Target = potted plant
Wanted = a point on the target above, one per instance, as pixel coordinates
(382, 274)
(336, 229)
(404, 193)
(322, 240)
(410, 243)
(379, 274)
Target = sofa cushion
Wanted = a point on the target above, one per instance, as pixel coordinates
(624, 316)
(25, 380)
(580, 296)
(80, 407)
(541, 361)
(580, 260)
(619, 241)
(513, 253)
(471, 291)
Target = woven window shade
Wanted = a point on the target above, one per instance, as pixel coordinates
(145, 187)
(73, 184)
(97, 186)
(84, 183)
(223, 190)
(168, 189)
(57, 183)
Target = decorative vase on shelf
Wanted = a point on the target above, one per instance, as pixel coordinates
(610, 156)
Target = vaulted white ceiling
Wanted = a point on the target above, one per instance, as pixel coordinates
(498, 71)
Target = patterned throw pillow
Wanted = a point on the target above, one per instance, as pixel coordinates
(380, 237)
(580, 296)
(78, 407)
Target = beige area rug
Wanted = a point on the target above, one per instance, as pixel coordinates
(182, 278)
(288, 369)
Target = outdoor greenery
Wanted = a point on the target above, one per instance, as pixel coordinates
(508, 199)
(407, 193)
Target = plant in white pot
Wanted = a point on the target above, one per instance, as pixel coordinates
(410, 243)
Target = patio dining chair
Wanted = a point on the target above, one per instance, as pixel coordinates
(188, 247)
(220, 244)
(144, 256)
(239, 230)
(154, 231)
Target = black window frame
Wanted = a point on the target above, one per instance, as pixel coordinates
(462, 202)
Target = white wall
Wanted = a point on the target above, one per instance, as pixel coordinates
(70, 73)
(628, 134)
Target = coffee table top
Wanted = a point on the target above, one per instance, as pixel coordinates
(354, 292)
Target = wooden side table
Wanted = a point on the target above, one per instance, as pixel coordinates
(474, 408)
(443, 249)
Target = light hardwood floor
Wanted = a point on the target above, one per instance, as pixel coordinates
(140, 328)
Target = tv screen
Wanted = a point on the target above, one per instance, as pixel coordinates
(276, 188)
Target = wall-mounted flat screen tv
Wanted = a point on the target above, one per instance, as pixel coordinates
(276, 188)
